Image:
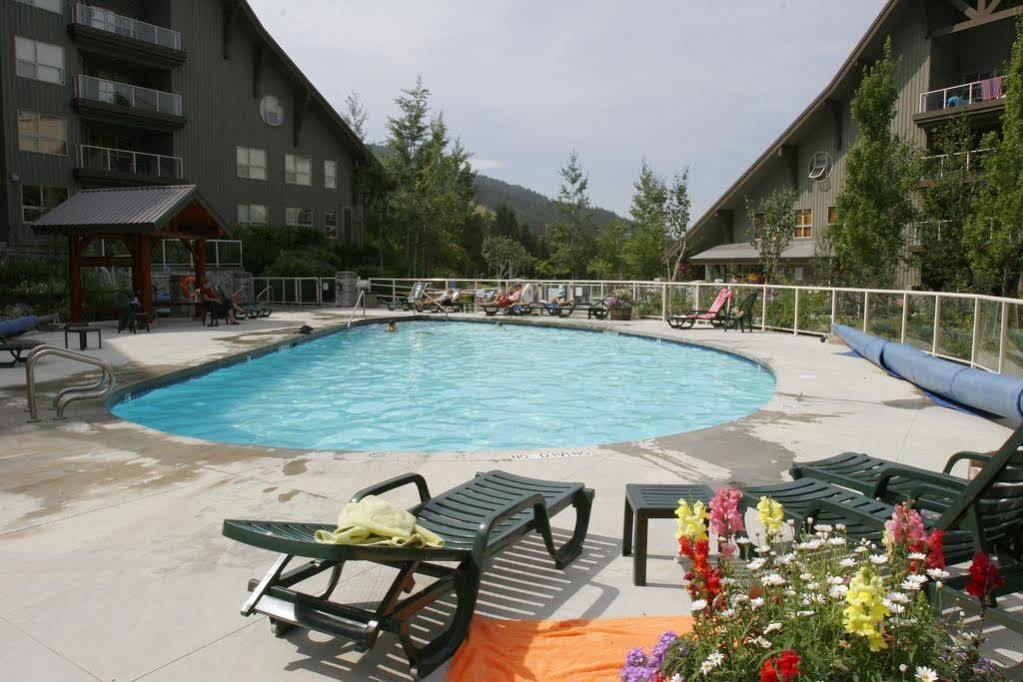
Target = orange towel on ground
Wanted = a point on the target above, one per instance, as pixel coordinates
(555, 651)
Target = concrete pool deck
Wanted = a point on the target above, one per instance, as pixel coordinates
(113, 566)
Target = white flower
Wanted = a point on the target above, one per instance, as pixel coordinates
(878, 559)
(677, 677)
(713, 661)
(836, 580)
(938, 585)
(838, 591)
(811, 544)
(911, 585)
(756, 603)
(823, 528)
(763, 642)
(903, 667)
(811, 586)
(893, 607)
(743, 540)
(727, 581)
(861, 549)
(804, 613)
(789, 593)
(805, 576)
(727, 613)
(847, 562)
(836, 541)
(763, 549)
(917, 556)
(739, 598)
(756, 564)
(771, 627)
(938, 574)
(897, 597)
(698, 605)
(787, 559)
(839, 526)
(772, 580)
(926, 674)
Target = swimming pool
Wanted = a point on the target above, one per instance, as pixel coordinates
(458, 386)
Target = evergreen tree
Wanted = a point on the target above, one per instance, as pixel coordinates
(676, 211)
(571, 237)
(506, 224)
(876, 204)
(647, 241)
(608, 261)
(994, 234)
(774, 224)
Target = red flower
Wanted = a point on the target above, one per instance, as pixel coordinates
(788, 665)
(984, 577)
(685, 547)
(935, 549)
(767, 673)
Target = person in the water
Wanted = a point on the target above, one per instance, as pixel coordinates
(392, 327)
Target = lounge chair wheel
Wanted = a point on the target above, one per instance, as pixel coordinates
(279, 628)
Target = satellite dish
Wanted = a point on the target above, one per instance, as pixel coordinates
(820, 166)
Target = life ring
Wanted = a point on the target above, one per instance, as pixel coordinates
(188, 287)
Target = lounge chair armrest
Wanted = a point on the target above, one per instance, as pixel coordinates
(396, 482)
(931, 478)
(487, 525)
(848, 512)
(960, 456)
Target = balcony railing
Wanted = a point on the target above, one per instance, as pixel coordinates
(131, 96)
(935, 166)
(960, 95)
(128, 162)
(105, 20)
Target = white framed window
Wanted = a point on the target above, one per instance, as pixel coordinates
(298, 170)
(251, 214)
(39, 61)
(38, 200)
(55, 6)
(251, 163)
(298, 217)
(330, 174)
(41, 133)
(330, 224)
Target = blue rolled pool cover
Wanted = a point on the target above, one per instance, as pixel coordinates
(992, 393)
(18, 325)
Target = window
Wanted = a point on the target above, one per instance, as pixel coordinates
(39, 61)
(272, 111)
(298, 217)
(251, 163)
(330, 174)
(804, 224)
(56, 6)
(36, 201)
(251, 214)
(298, 170)
(41, 133)
(832, 215)
(330, 224)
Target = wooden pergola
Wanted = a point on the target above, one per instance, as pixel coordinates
(136, 216)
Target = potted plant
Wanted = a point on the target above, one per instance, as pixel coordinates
(620, 305)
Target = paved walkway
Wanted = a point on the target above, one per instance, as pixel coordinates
(114, 567)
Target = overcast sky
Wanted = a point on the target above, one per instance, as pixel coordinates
(698, 83)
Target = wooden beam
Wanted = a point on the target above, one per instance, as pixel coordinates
(230, 8)
(979, 21)
(835, 107)
(145, 267)
(75, 276)
(992, 5)
(302, 98)
(961, 5)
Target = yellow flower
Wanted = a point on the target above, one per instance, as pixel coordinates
(865, 610)
(771, 515)
(691, 520)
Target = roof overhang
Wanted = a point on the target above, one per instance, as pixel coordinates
(745, 252)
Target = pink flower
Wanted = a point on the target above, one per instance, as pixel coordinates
(725, 519)
(905, 529)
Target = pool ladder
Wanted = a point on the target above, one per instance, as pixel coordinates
(68, 394)
(361, 299)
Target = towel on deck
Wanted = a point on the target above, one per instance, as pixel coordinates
(374, 521)
(555, 651)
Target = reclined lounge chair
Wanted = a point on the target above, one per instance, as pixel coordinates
(597, 310)
(130, 317)
(742, 315)
(409, 302)
(715, 314)
(17, 347)
(478, 520)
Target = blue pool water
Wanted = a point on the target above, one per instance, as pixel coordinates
(449, 386)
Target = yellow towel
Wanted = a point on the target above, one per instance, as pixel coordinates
(374, 521)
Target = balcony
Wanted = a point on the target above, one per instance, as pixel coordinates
(984, 98)
(116, 35)
(103, 165)
(126, 104)
(937, 165)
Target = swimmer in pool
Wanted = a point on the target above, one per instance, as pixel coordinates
(391, 327)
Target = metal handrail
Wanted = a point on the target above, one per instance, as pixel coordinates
(360, 299)
(266, 290)
(126, 94)
(106, 20)
(68, 394)
(969, 97)
(107, 156)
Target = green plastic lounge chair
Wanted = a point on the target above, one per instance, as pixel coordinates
(409, 302)
(892, 482)
(129, 316)
(716, 314)
(597, 310)
(478, 520)
(17, 347)
(742, 315)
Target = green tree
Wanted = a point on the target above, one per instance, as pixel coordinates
(608, 263)
(355, 114)
(994, 233)
(774, 223)
(881, 174)
(571, 237)
(676, 211)
(647, 240)
(506, 224)
(505, 256)
(946, 204)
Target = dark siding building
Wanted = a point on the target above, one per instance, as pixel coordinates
(136, 92)
(952, 55)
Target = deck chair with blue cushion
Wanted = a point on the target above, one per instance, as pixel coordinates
(9, 329)
(477, 520)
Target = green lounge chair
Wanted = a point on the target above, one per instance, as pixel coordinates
(892, 482)
(478, 520)
(742, 315)
(17, 347)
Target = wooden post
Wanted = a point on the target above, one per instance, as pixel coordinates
(75, 276)
(144, 266)
(200, 274)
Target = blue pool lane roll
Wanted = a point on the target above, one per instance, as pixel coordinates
(993, 393)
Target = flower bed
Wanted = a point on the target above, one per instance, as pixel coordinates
(816, 608)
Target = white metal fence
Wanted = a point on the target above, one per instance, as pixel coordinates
(981, 331)
(295, 290)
